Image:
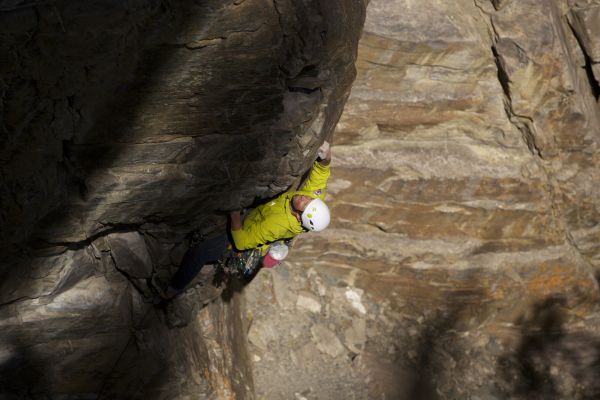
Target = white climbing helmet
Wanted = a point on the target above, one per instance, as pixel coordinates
(316, 215)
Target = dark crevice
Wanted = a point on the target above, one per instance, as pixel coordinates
(304, 90)
(381, 228)
(7, 303)
(521, 122)
(121, 228)
(279, 15)
(306, 81)
(502, 75)
(308, 71)
(324, 37)
(166, 7)
(589, 72)
(127, 276)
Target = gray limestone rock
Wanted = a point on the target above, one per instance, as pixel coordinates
(326, 341)
(260, 334)
(285, 297)
(308, 301)
(355, 337)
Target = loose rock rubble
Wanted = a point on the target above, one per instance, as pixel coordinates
(406, 353)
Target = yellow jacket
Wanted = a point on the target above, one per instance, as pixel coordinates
(274, 220)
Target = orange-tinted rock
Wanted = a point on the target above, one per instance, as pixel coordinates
(465, 199)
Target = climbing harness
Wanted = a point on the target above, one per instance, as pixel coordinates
(240, 263)
(246, 263)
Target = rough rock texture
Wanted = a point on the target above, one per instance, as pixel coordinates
(125, 113)
(463, 254)
(125, 126)
(75, 325)
(463, 257)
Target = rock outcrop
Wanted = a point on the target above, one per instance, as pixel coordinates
(463, 254)
(126, 113)
(127, 125)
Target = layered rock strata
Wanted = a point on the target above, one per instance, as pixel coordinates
(463, 253)
(463, 256)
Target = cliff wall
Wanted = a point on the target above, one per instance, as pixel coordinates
(463, 256)
(126, 126)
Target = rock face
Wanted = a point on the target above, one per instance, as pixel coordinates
(125, 126)
(463, 256)
(125, 113)
(464, 249)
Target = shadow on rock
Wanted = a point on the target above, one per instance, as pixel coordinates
(23, 374)
(438, 349)
(552, 362)
(147, 116)
(427, 368)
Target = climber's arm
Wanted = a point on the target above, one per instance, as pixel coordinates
(319, 174)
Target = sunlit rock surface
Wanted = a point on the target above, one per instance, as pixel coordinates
(465, 241)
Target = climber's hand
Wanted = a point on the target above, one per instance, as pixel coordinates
(324, 153)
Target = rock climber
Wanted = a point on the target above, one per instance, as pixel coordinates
(289, 214)
(286, 216)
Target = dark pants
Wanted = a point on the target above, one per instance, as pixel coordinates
(195, 258)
